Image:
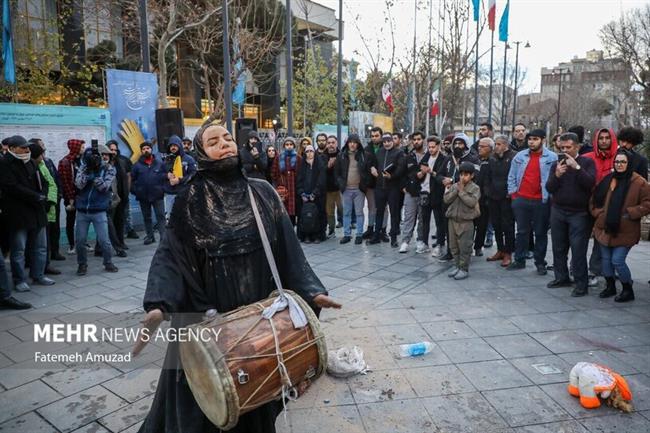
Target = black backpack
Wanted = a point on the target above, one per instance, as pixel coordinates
(309, 218)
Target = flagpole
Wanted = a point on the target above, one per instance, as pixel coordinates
(428, 116)
(413, 109)
(339, 78)
(289, 71)
(476, 84)
(503, 90)
(491, 78)
(227, 89)
(441, 120)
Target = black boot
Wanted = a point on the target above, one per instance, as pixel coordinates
(627, 294)
(368, 233)
(375, 239)
(610, 288)
(393, 241)
(384, 237)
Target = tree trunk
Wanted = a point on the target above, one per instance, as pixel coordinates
(162, 72)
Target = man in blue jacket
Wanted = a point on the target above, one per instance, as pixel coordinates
(529, 172)
(148, 178)
(94, 180)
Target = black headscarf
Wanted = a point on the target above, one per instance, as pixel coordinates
(214, 212)
(617, 198)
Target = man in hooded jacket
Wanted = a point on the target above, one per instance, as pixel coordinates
(253, 157)
(68, 168)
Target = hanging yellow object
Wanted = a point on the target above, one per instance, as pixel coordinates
(178, 167)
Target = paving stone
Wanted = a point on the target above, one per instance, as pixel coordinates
(639, 332)
(127, 416)
(81, 408)
(92, 428)
(438, 380)
(379, 358)
(602, 357)
(20, 400)
(558, 392)
(28, 423)
(27, 371)
(402, 334)
(492, 326)
(464, 413)
(567, 341)
(638, 357)
(136, 384)
(73, 380)
(535, 323)
(489, 375)
(619, 423)
(11, 321)
(330, 391)
(554, 427)
(385, 317)
(323, 419)
(514, 346)
(468, 350)
(404, 416)
(432, 314)
(8, 339)
(525, 406)
(640, 386)
(380, 386)
(525, 365)
(449, 330)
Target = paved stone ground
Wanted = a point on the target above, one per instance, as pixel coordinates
(488, 331)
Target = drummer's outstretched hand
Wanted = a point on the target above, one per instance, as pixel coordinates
(151, 322)
(324, 301)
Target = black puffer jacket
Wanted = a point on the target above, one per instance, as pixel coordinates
(497, 175)
(331, 183)
(24, 194)
(436, 188)
(254, 167)
(394, 162)
(411, 182)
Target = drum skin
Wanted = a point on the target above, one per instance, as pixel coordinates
(238, 371)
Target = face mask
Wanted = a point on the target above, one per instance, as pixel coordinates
(24, 157)
(458, 152)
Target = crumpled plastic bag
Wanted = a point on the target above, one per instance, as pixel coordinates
(346, 362)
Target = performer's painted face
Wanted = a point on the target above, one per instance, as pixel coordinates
(218, 143)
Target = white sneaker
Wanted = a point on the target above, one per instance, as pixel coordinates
(453, 271)
(461, 275)
(22, 287)
(72, 251)
(89, 247)
(437, 251)
(421, 247)
(404, 247)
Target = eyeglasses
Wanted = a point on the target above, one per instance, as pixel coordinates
(308, 150)
(620, 162)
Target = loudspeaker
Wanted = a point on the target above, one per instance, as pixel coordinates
(169, 121)
(243, 126)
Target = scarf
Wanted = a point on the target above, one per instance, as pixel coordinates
(287, 153)
(619, 184)
(24, 157)
(214, 212)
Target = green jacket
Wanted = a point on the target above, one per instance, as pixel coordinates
(463, 205)
(52, 192)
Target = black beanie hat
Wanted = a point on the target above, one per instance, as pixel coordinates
(537, 133)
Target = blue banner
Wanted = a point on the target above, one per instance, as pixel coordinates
(7, 45)
(503, 24)
(132, 101)
(477, 6)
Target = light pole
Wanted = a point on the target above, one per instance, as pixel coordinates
(514, 102)
(503, 87)
(339, 78)
(289, 72)
(144, 35)
(226, 66)
(561, 72)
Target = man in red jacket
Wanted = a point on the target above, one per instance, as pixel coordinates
(68, 168)
(605, 146)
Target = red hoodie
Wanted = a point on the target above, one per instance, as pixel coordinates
(603, 159)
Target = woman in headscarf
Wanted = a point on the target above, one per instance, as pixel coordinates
(310, 187)
(211, 231)
(271, 153)
(284, 173)
(619, 202)
(304, 142)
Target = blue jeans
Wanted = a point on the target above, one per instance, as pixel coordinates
(531, 216)
(159, 209)
(100, 223)
(5, 291)
(353, 199)
(614, 261)
(169, 203)
(38, 254)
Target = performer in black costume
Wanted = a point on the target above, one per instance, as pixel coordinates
(212, 258)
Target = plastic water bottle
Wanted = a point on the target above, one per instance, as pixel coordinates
(415, 349)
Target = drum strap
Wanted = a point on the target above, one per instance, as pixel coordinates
(295, 312)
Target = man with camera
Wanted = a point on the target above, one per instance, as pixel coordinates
(94, 181)
(571, 181)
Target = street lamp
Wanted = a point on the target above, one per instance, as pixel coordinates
(514, 103)
(562, 73)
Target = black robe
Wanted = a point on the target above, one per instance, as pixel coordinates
(224, 275)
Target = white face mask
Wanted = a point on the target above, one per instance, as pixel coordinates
(24, 157)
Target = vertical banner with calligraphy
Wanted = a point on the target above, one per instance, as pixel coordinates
(132, 103)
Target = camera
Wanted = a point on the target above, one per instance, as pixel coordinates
(92, 157)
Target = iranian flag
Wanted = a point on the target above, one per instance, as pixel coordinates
(435, 99)
(492, 12)
(388, 99)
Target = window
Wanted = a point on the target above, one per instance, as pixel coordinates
(35, 29)
(102, 21)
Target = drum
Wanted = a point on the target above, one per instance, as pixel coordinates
(241, 368)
